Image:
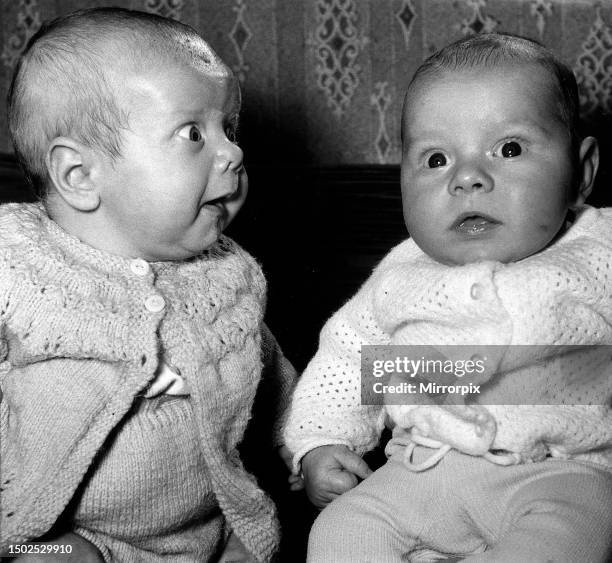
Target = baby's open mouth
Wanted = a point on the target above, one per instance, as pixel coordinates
(473, 223)
(216, 207)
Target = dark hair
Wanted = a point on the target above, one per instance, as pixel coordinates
(491, 49)
(64, 81)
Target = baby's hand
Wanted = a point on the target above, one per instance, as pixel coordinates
(296, 482)
(330, 471)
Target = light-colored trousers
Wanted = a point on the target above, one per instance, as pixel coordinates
(466, 508)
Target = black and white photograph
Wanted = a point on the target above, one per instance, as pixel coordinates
(306, 281)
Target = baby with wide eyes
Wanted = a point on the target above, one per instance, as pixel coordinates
(502, 251)
(132, 340)
(489, 169)
(510, 149)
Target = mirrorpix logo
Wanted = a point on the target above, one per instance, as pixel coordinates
(423, 388)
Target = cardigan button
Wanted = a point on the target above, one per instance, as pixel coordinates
(5, 367)
(139, 267)
(155, 303)
(476, 291)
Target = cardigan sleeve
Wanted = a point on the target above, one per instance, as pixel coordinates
(259, 448)
(326, 408)
(278, 379)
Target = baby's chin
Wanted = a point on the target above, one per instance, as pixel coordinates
(182, 251)
(462, 257)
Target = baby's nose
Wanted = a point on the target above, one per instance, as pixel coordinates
(229, 157)
(470, 178)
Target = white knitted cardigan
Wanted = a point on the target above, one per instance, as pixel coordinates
(74, 328)
(561, 296)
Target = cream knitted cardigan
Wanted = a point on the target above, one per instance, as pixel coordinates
(75, 328)
(561, 296)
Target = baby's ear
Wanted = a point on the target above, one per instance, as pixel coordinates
(69, 164)
(588, 163)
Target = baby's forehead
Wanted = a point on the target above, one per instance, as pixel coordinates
(442, 82)
(150, 51)
(199, 53)
(529, 71)
(145, 58)
(176, 88)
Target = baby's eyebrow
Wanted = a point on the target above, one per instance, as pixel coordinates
(422, 142)
(187, 111)
(525, 127)
(232, 107)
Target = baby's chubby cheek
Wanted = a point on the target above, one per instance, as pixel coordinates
(550, 227)
(546, 228)
(235, 203)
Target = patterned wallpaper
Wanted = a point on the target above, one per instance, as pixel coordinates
(323, 79)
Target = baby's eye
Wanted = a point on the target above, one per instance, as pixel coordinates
(191, 132)
(511, 149)
(436, 160)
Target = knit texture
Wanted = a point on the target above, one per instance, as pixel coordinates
(561, 296)
(79, 343)
(150, 467)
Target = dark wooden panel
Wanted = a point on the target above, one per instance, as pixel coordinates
(13, 186)
(318, 232)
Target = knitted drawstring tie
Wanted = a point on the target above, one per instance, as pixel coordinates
(509, 458)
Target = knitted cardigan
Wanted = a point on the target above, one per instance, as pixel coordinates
(80, 337)
(561, 296)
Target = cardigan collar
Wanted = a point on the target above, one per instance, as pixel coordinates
(29, 223)
(60, 297)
